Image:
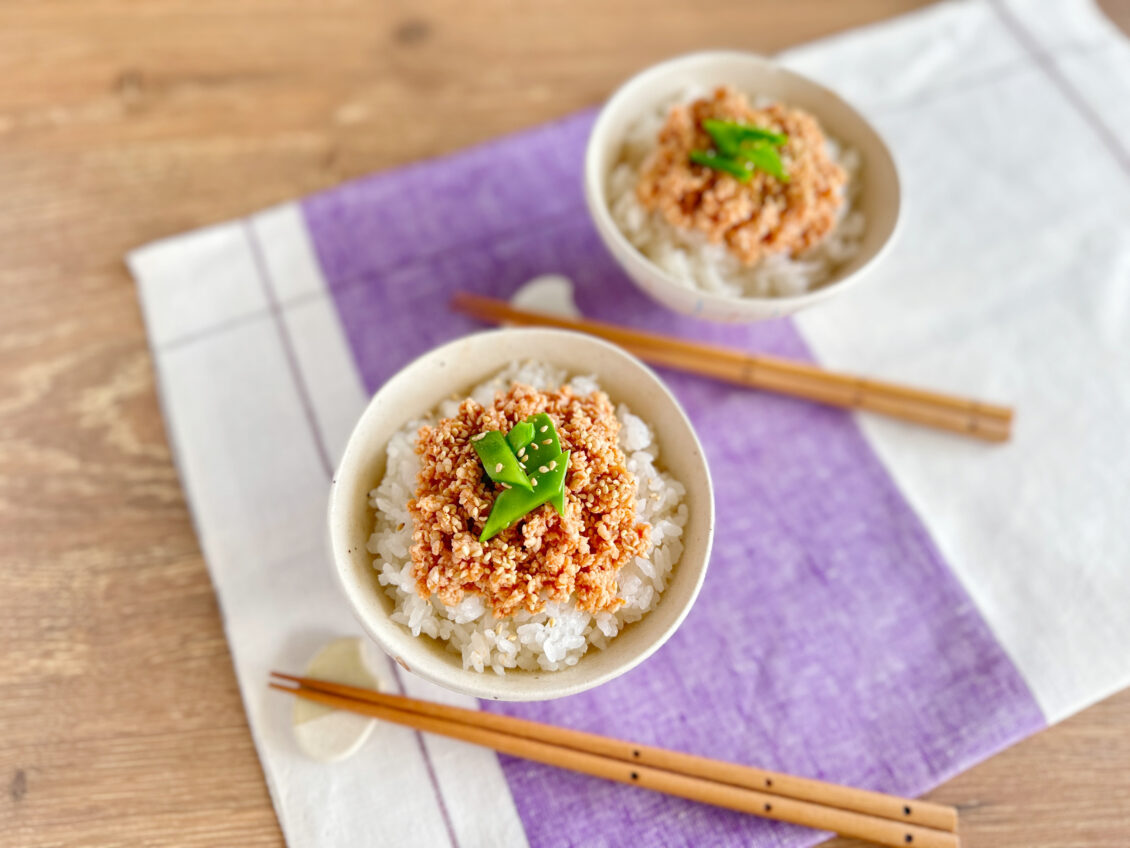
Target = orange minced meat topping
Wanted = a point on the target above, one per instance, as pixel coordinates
(544, 556)
(762, 216)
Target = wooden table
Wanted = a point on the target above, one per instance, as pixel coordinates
(120, 721)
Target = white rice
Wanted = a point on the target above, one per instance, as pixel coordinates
(690, 258)
(559, 635)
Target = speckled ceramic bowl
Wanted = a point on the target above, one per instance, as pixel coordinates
(457, 367)
(879, 197)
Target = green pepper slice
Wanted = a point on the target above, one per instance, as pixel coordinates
(499, 461)
(512, 505)
(520, 435)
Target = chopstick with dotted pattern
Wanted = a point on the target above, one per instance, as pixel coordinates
(862, 814)
(969, 417)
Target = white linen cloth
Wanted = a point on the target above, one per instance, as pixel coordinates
(1009, 120)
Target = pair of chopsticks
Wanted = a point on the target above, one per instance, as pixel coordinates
(859, 813)
(960, 415)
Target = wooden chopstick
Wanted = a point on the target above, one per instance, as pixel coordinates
(923, 813)
(883, 819)
(798, 379)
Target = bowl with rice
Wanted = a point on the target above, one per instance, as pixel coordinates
(733, 189)
(522, 514)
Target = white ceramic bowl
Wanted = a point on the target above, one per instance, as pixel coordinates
(756, 76)
(457, 367)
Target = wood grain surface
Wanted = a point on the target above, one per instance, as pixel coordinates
(120, 720)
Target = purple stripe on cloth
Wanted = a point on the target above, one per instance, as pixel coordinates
(830, 640)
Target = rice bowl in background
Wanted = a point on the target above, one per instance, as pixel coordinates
(684, 271)
(689, 256)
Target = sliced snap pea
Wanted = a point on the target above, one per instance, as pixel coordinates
(520, 435)
(549, 451)
(725, 164)
(499, 461)
(545, 445)
(763, 157)
(558, 499)
(728, 136)
(511, 505)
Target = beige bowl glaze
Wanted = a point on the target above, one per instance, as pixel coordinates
(754, 75)
(457, 367)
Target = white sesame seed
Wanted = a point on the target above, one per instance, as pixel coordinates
(547, 441)
(521, 451)
(534, 481)
(543, 468)
(553, 622)
(534, 446)
(553, 465)
(497, 468)
(478, 436)
(543, 429)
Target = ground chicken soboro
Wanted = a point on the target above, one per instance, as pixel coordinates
(762, 216)
(544, 556)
